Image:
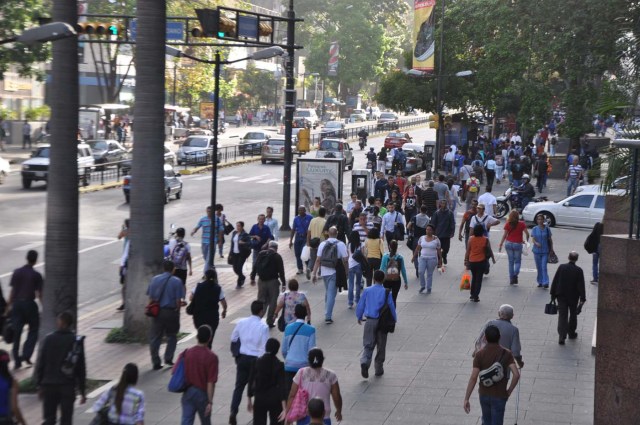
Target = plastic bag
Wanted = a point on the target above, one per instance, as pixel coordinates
(465, 281)
(525, 248)
(306, 253)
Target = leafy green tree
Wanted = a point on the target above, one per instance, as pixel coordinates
(257, 84)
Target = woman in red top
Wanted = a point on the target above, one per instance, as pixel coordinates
(514, 229)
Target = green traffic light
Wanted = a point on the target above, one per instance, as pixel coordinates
(221, 34)
(113, 29)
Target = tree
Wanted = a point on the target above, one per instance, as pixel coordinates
(60, 291)
(257, 85)
(17, 16)
(147, 193)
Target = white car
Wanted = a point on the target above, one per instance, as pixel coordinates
(5, 168)
(619, 185)
(580, 210)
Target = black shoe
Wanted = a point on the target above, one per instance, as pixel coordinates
(232, 420)
(476, 300)
(168, 363)
(121, 308)
(444, 260)
(364, 371)
(271, 325)
(380, 373)
(573, 336)
(157, 366)
(561, 341)
(515, 280)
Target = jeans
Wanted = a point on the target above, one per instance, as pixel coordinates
(491, 176)
(298, 244)
(499, 171)
(552, 150)
(596, 260)
(205, 255)
(167, 323)
(24, 312)
(514, 252)
(244, 364)
(427, 264)
(540, 183)
(355, 274)
(330, 295)
(572, 185)
(54, 396)
(194, 400)
(541, 267)
(492, 409)
(517, 182)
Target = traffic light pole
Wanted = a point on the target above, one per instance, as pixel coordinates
(290, 106)
(214, 161)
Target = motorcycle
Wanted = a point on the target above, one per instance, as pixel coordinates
(362, 142)
(512, 200)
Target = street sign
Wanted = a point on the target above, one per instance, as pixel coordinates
(247, 26)
(175, 30)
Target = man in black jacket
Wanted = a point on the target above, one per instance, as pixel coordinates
(340, 221)
(269, 267)
(60, 369)
(568, 289)
(445, 225)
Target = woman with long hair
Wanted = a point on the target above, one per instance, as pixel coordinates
(476, 259)
(514, 229)
(373, 250)
(267, 386)
(542, 247)
(428, 252)
(396, 200)
(10, 412)
(204, 303)
(393, 266)
(126, 403)
(288, 301)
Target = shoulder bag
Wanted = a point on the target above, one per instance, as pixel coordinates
(228, 227)
(153, 308)
(386, 322)
(102, 415)
(281, 323)
(494, 373)
(398, 229)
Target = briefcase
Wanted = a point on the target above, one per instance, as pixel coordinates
(551, 308)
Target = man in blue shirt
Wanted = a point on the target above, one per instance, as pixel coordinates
(205, 224)
(371, 302)
(168, 291)
(299, 230)
(299, 338)
(260, 234)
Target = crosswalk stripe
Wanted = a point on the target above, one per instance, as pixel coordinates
(269, 181)
(249, 179)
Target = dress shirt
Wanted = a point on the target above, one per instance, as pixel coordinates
(301, 225)
(272, 224)
(372, 300)
(264, 234)
(253, 335)
(389, 221)
(350, 206)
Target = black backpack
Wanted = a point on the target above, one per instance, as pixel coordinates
(263, 264)
(386, 322)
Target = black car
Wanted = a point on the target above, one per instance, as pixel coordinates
(335, 129)
(388, 121)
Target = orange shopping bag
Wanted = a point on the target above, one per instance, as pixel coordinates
(465, 281)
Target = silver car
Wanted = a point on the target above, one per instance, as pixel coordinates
(273, 150)
(196, 149)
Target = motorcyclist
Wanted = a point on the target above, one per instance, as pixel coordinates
(526, 190)
(363, 134)
(371, 157)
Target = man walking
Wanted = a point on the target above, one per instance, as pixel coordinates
(490, 202)
(330, 253)
(493, 398)
(60, 368)
(315, 235)
(169, 292)
(445, 225)
(371, 302)
(390, 221)
(26, 285)
(26, 135)
(298, 339)
(269, 267)
(180, 254)
(201, 372)
(568, 289)
(252, 335)
(340, 221)
(573, 175)
(271, 223)
(509, 333)
(260, 235)
(299, 231)
(205, 224)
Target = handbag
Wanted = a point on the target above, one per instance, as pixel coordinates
(8, 331)
(235, 348)
(551, 308)
(228, 227)
(298, 408)
(153, 308)
(553, 258)
(281, 323)
(102, 415)
(398, 230)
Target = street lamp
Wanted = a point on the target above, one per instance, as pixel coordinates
(267, 53)
(48, 32)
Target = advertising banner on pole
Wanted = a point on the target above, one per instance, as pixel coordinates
(207, 110)
(319, 177)
(424, 33)
(334, 52)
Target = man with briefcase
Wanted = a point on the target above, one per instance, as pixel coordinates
(568, 290)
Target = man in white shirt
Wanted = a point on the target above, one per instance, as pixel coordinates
(328, 265)
(352, 203)
(489, 201)
(490, 170)
(252, 334)
(389, 222)
(516, 138)
(272, 223)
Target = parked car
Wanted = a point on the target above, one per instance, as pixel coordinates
(396, 139)
(251, 143)
(414, 164)
(273, 150)
(336, 129)
(172, 185)
(37, 167)
(388, 121)
(169, 158)
(107, 151)
(358, 115)
(5, 168)
(308, 116)
(196, 149)
(336, 148)
(579, 210)
(621, 183)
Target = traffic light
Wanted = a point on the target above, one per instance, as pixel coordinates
(99, 28)
(434, 121)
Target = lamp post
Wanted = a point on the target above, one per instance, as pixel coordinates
(289, 107)
(48, 32)
(267, 53)
(440, 132)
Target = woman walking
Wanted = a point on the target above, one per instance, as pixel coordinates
(126, 403)
(266, 386)
(239, 251)
(289, 300)
(10, 412)
(358, 266)
(204, 303)
(318, 382)
(476, 259)
(393, 266)
(542, 247)
(396, 200)
(428, 252)
(514, 229)
(373, 250)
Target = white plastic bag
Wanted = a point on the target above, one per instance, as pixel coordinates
(525, 248)
(306, 253)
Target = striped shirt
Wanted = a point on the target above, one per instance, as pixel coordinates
(574, 171)
(132, 411)
(363, 232)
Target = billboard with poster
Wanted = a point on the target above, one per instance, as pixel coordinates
(424, 33)
(319, 177)
(207, 110)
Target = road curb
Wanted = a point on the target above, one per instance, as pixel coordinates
(98, 188)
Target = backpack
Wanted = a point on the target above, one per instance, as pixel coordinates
(329, 257)
(263, 265)
(179, 255)
(386, 322)
(494, 373)
(393, 268)
(68, 367)
(178, 381)
(473, 185)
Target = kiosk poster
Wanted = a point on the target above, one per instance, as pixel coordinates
(424, 28)
(320, 178)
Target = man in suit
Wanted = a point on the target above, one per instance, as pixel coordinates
(568, 289)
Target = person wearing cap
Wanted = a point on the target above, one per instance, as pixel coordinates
(299, 231)
(526, 190)
(509, 333)
(371, 158)
(269, 267)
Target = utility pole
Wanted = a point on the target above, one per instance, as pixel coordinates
(290, 106)
(440, 142)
